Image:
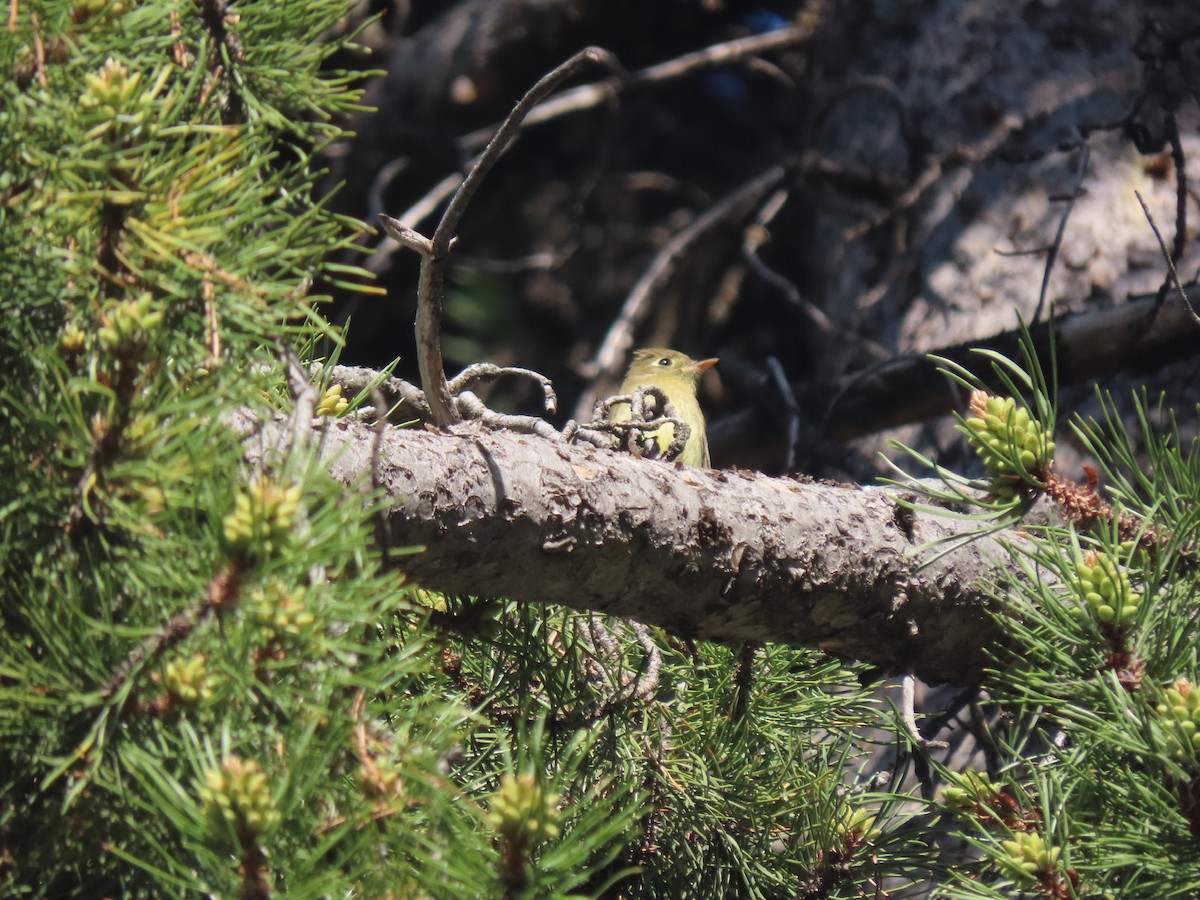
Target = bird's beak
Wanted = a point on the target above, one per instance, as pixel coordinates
(703, 365)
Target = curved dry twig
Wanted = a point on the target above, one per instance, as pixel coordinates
(435, 250)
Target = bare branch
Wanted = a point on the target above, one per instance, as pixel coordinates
(431, 288)
(589, 96)
(508, 130)
(908, 716)
(471, 407)
(1173, 276)
(755, 236)
(304, 399)
(908, 389)
(414, 215)
(1085, 156)
(489, 372)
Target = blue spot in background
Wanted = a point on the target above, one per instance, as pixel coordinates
(761, 21)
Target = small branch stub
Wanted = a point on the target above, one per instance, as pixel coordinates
(405, 236)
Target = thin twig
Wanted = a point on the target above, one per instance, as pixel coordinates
(379, 184)
(648, 683)
(505, 134)
(1180, 163)
(179, 626)
(742, 679)
(1174, 276)
(588, 96)
(414, 215)
(470, 406)
(305, 397)
(222, 592)
(1085, 156)
(791, 410)
(383, 526)
(405, 236)
(757, 234)
(909, 717)
(935, 724)
(623, 685)
(962, 154)
(432, 285)
(489, 372)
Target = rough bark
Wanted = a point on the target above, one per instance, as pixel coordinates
(721, 555)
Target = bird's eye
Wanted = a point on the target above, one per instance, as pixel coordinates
(665, 361)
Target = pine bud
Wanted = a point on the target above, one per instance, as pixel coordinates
(262, 519)
(522, 811)
(237, 797)
(188, 681)
(332, 402)
(280, 610)
(1028, 856)
(127, 327)
(1104, 586)
(72, 342)
(1010, 442)
(112, 91)
(969, 789)
(1180, 712)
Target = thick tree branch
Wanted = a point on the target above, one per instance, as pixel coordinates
(723, 555)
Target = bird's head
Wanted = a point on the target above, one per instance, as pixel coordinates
(657, 366)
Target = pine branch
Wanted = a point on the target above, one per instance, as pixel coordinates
(729, 556)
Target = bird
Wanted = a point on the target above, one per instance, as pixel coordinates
(676, 375)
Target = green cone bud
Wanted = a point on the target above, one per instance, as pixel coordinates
(280, 611)
(523, 810)
(1010, 442)
(127, 326)
(237, 797)
(1027, 856)
(262, 519)
(188, 681)
(332, 402)
(1103, 585)
(1180, 716)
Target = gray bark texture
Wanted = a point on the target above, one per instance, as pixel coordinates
(719, 555)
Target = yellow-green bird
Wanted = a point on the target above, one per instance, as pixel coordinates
(676, 375)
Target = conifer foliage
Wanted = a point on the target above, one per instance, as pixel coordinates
(212, 684)
(209, 684)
